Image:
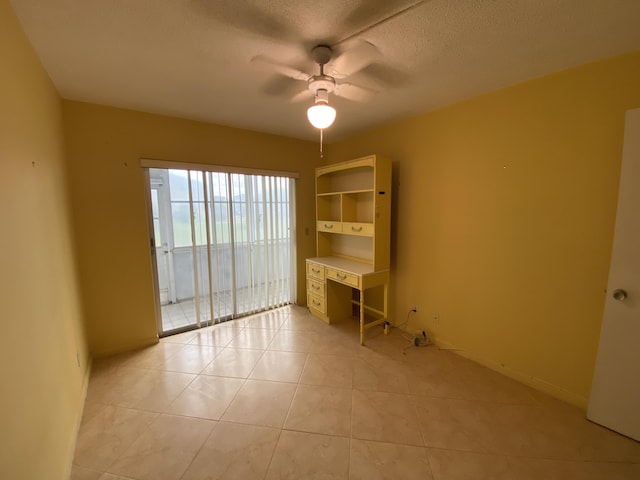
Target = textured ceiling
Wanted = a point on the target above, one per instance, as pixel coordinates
(197, 58)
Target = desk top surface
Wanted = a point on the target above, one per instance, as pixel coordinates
(350, 266)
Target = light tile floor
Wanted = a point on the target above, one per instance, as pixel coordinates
(183, 313)
(280, 395)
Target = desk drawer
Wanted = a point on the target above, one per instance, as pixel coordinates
(315, 287)
(317, 303)
(343, 277)
(327, 226)
(315, 271)
(364, 229)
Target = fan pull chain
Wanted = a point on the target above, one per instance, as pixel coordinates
(321, 138)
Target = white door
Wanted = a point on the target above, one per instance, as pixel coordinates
(163, 240)
(615, 392)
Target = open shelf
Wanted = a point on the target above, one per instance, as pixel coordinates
(348, 180)
(329, 207)
(358, 207)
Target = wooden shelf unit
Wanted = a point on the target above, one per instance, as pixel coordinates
(353, 232)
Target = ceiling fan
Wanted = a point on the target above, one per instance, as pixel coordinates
(338, 57)
(331, 67)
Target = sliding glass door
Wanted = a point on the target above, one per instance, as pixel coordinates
(223, 243)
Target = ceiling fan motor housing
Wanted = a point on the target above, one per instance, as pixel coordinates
(322, 85)
(321, 54)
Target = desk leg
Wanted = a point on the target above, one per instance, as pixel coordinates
(386, 309)
(361, 317)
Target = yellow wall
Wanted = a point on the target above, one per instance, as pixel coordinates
(504, 211)
(104, 146)
(41, 319)
(504, 215)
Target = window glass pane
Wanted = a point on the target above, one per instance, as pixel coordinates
(181, 224)
(179, 185)
(221, 211)
(154, 203)
(155, 214)
(240, 222)
(237, 185)
(156, 232)
(257, 189)
(200, 223)
(221, 224)
(282, 222)
(197, 186)
(219, 187)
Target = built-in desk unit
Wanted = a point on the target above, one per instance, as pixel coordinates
(353, 222)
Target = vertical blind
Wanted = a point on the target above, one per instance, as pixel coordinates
(238, 230)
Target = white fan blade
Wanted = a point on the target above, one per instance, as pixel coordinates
(354, 92)
(272, 65)
(303, 95)
(356, 55)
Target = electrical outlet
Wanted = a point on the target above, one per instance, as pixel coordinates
(414, 309)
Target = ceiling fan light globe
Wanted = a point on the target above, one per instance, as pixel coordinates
(321, 116)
